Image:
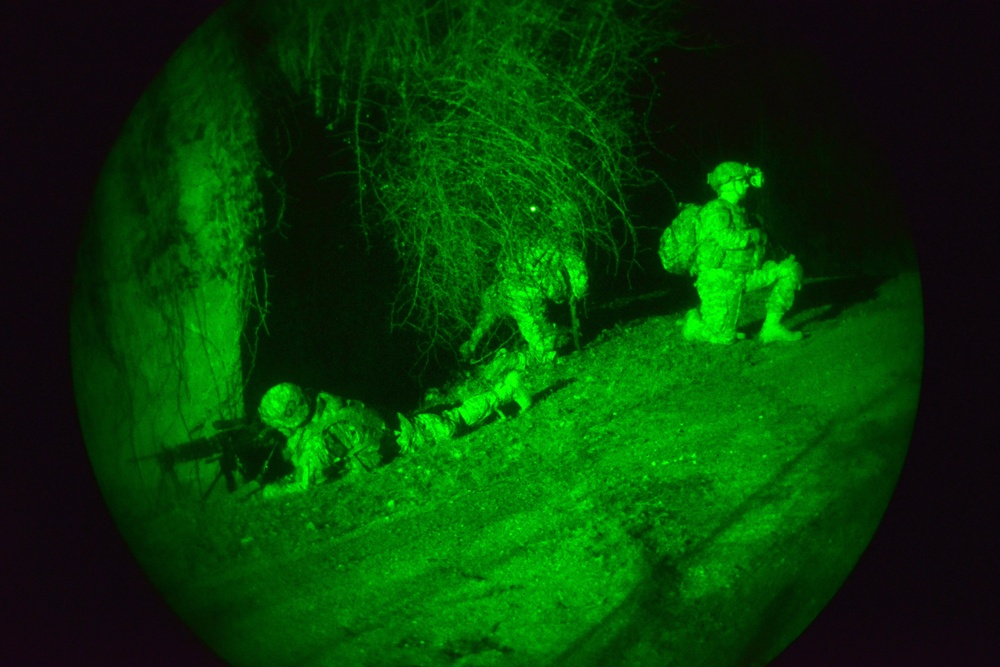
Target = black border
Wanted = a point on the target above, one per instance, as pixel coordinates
(923, 75)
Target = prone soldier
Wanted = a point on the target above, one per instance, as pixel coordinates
(329, 436)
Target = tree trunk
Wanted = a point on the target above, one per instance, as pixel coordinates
(164, 271)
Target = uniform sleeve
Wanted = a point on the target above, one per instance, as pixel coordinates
(300, 477)
(307, 459)
(308, 456)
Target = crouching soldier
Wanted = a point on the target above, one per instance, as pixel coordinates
(729, 261)
(540, 272)
(330, 437)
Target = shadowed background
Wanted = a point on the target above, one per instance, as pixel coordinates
(928, 59)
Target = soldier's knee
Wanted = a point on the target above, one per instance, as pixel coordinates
(792, 271)
(788, 283)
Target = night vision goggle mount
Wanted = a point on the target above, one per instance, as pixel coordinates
(755, 176)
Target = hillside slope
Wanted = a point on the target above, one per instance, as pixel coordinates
(662, 503)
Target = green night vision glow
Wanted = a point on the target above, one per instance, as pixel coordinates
(393, 344)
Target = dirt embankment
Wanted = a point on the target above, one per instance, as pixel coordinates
(663, 502)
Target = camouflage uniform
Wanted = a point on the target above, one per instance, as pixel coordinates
(428, 428)
(337, 436)
(730, 262)
(534, 277)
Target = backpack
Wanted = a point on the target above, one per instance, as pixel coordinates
(679, 242)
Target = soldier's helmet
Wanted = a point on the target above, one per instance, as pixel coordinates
(284, 406)
(730, 171)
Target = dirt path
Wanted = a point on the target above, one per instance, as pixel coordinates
(663, 503)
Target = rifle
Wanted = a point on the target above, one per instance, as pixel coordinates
(194, 450)
(237, 446)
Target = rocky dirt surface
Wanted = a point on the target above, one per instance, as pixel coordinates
(661, 503)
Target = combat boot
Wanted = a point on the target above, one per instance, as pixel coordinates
(773, 331)
(693, 328)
